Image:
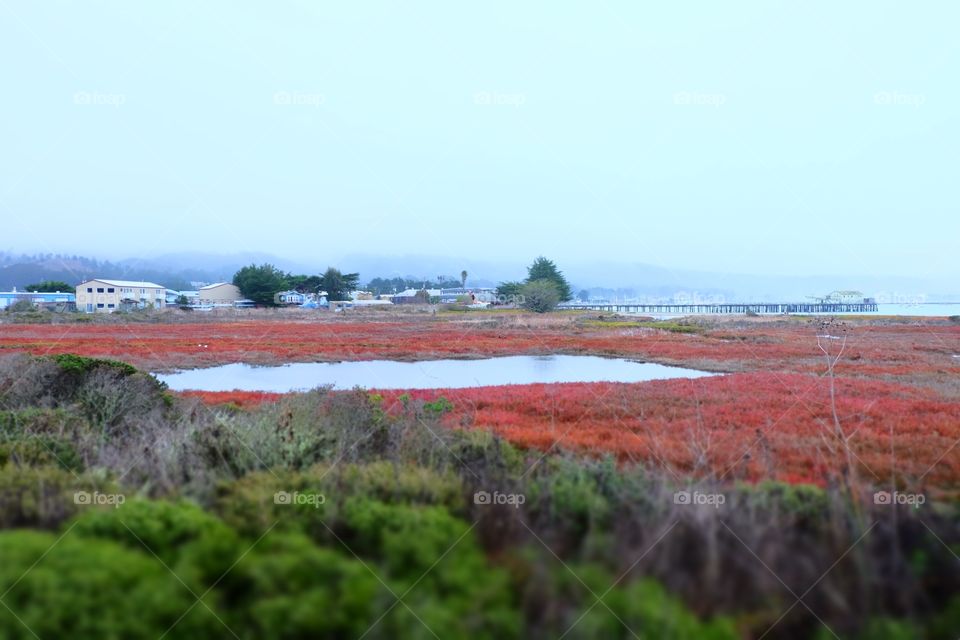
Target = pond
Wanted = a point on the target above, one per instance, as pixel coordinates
(426, 374)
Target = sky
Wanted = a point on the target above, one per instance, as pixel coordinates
(748, 137)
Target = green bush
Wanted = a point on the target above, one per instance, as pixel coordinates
(80, 364)
(639, 609)
(42, 497)
(435, 557)
(248, 503)
(74, 587)
(540, 296)
(40, 437)
(165, 528)
(287, 587)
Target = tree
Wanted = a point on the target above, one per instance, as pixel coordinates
(422, 297)
(508, 292)
(260, 284)
(339, 285)
(463, 279)
(543, 269)
(540, 295)
(304, 283)
(583, 296)
(50, 286)
(392, 285)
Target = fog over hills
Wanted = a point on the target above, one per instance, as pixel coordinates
(609, 279)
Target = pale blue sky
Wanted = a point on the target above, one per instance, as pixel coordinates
(764, 137)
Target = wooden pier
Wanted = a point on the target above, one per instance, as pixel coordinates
(760, 308)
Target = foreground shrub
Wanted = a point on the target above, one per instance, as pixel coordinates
(42, 497)
(641, 608)
(39, 437)
(85, 588)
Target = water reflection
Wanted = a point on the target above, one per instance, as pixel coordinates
(426, 374)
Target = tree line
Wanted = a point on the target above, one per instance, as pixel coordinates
(261, 283)
(544, 288)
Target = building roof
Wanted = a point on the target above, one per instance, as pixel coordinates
(136, 284)
(36, 294)
(217, 284)
(410, 293)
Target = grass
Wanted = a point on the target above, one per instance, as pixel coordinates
(662, 325)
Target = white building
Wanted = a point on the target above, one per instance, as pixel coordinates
(107, 296)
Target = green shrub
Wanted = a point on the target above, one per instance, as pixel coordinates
(569, 496)
(801, 502)
(40, 437)
(248, 503)
(42, 496)
(287, 587)
(80, 364)
(879, 629)
(640, 609)
(457, 591)
(72, 587)
(165, 528)
(439, 406)
(540, 296)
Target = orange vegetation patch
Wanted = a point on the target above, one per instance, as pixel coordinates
(244, 399)
(925, 348)
(739, 427)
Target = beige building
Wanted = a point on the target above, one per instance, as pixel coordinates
(107, 296)
(219, 293)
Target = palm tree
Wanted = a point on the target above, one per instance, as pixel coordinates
(463, 279)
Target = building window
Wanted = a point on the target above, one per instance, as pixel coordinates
(99, 289)
(89, 289)
(110, 290)
(110, 306)
(99, 305)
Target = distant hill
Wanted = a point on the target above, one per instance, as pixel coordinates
(174, 270)
(21, 270)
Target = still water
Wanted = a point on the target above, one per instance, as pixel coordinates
(428, 374)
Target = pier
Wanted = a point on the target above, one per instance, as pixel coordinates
(760, 308)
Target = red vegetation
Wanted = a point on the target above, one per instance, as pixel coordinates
(897, 388)
(244, 399)
(872, 350)
(741, 426)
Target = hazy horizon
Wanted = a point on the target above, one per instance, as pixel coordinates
(651, 135)
(642, 279)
